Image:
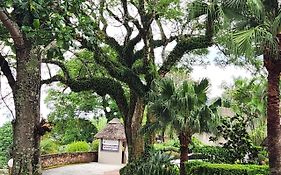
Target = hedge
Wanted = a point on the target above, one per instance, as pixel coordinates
(205, 168)
(213, 154)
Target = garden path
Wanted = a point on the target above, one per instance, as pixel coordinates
(85, 169)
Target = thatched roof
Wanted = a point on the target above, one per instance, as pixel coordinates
(114, 130)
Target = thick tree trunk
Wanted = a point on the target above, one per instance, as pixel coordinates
(184, 142)
(273, 116)
(26, 153)
(150, 139)
(132, 128)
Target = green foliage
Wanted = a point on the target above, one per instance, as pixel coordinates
(250, 36)
(69, 113)
(258, 134)
(154, 163)
(95, 145)
(248, 97)
(48, 146)
(99, 123)
(195, 143)
(213, 154)
(234, 130)
(80, 146)
(69, 127)
(204, 168)
(170, 147)
(183, 108)
(169, 9)
(6, 140)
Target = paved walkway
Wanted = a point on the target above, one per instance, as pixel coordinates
(85, 169)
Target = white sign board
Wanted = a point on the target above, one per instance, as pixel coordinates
(110, 145)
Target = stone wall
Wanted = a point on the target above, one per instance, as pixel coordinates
(52, 160)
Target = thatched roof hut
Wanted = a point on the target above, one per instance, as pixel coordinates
(114, 130)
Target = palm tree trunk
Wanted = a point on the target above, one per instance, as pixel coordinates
(273, 116)
(184, 142)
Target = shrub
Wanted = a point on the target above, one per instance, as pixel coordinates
(234, 130)
(195, 143)
(80, 146)
(171, 145)
(95, 145)
(6, 140)
(204, 168)
(154, 163)
(48, 146)
(214, 154)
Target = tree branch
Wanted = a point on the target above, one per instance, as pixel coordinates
(60, 64)
(101, 86)
(115, 69)
(184, 46)
(188, 43)
(12, 27)
(5, 68)
(56, 78)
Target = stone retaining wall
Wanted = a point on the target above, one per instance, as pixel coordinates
(52, 160)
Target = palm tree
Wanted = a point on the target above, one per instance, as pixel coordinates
(256, 31)
(183, 108)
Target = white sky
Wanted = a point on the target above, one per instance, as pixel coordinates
(218, 75)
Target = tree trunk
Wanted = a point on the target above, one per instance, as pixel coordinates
(184, 142)
(132, 127)
(150, 138)
(26, 153)
(273, 116)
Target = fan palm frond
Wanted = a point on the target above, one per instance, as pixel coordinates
(202, 86)
(186, 109)
(276, 26)
(248, 41)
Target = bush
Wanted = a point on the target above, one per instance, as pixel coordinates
(48, 146)
(204, 168)
(6, 140)
(213, 154)
(95, 145)
(80, 146)
(171, 145)
(154, 163)
(195, 143)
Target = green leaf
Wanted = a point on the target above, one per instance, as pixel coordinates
(36, 23)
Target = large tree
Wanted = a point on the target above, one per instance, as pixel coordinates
(128, 56)
(256, 31)
(28, 29)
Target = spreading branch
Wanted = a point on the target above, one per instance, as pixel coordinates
(60, 64)
(189, 43)
(5, 68)
(12, 27)
(100, 85)
(184, 46)
(115, 69)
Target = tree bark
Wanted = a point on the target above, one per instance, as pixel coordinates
(132, 127)
(273, 117)
(150, 138)
(26, 153)
(184, 142)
